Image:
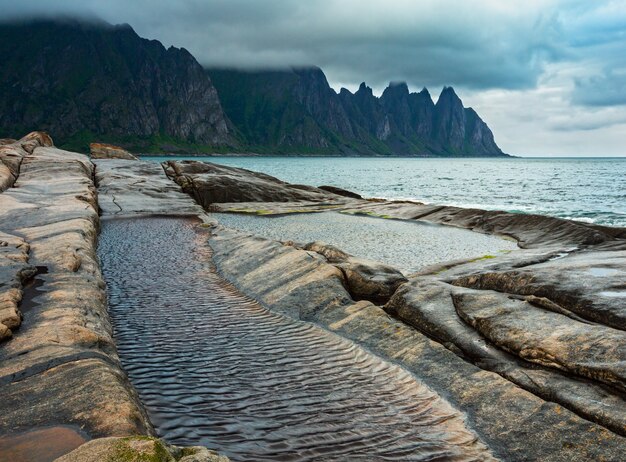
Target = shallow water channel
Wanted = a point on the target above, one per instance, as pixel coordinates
(215, 368)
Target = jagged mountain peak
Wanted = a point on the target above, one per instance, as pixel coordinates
(103, 81)
(364, 90)
(304, 114)
(396, 89)
(98, 80)
(449, 96)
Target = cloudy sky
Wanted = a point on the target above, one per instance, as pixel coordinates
(548, 76)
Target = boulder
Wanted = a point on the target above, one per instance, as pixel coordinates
(12, 152)
(547, 338)
(138, 449)
(14, 271)
(109, 151)
(430, 306)
(589, 284)
(212, 183)
(341, 192)
(365, 279)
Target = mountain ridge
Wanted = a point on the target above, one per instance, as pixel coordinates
(87, 81)
(396, 123)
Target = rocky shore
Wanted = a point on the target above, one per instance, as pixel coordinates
(525, 343)
(528, 346)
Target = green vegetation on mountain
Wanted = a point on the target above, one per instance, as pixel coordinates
(91, 81)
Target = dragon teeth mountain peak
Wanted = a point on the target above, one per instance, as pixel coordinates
(94, 80)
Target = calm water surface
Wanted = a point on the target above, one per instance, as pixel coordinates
(590, 190)
(406, 245)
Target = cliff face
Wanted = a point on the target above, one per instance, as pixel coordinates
(80, 80)
(85, 82)
(296, 110)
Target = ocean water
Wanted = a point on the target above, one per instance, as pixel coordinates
(591, 190)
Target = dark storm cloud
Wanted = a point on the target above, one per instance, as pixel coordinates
(608, 89)
(554, 68)
(480, 44)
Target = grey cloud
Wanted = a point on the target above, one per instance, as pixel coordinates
(608, 89)
(483, 47)
(477, 46)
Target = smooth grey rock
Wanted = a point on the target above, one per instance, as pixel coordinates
(127, 187)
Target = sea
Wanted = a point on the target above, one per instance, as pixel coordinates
(590, 190)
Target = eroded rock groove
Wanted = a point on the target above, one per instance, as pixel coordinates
(215, 368)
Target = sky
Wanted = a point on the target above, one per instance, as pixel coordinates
(548, 76)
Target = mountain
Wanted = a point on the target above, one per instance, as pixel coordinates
(85, 81)
(296, 111)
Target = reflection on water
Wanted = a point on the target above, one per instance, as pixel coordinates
(215, 368)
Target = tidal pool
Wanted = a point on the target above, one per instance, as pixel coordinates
(407, 245)
(213, 367)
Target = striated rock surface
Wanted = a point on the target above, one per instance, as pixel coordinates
(431, 306)
(61, 381)
(12, 152)
(139, 187)
(14, 272)
(504, 414)
(365, 279)
(61, 366)
(212, 183)
(109, 151)
(529, 230)
(548, 338)
(589, 284)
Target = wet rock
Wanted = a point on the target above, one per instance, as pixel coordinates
(515, 424)
(109, 151)
(139, 187)
(211, 183)
(365, 279)
(138, 449)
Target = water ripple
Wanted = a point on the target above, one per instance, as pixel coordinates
(215, 368)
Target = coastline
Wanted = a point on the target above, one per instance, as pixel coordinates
(429, 323)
